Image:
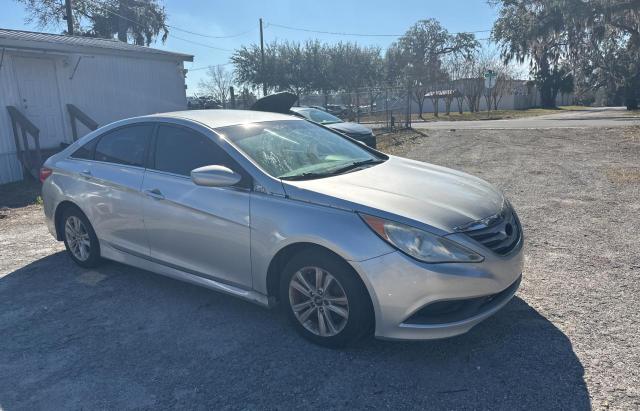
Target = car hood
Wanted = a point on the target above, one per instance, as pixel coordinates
(276, 103)
(349, 128)
(407, 191)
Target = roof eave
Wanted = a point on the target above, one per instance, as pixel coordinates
(76, 48)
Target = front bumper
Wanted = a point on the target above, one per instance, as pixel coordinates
(400, 287)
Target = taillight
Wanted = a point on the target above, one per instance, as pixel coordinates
(45, 173)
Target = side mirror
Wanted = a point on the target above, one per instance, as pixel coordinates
(215, 176)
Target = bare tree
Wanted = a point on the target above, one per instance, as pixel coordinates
(454, 66)
(217, 83)
(435, 95)
(472, 76)
(473, 84)
(505, 73)
(505, 83)
(419, 95)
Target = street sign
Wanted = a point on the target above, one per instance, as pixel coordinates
(489, 79)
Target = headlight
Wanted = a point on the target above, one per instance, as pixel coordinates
(419, 244)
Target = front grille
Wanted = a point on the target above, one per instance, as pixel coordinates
(502, 234)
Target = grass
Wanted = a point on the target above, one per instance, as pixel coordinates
(388, 142)
(624, 175)
(468, 116)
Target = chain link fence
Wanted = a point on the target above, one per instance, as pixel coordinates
(379, 108)
(394, 108)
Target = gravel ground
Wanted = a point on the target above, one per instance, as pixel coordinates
(118, 337)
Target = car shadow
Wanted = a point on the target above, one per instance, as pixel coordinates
(119, 337)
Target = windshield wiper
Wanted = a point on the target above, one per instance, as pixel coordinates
(357, 164)
(343, 169)
(304, 176)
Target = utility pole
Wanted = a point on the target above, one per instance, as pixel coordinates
(264, 84)
(69, 17)
(232, 97)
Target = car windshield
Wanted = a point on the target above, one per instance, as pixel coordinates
(319, 116)
(296, 149)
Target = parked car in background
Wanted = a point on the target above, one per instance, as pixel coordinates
(339, 110)
(353, 130)
(202, 103)
(276, 209)
(283, 103)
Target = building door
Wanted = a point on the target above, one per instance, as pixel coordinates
(40, 98)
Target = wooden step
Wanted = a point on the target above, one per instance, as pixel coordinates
(32, 159)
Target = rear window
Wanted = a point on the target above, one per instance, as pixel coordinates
(86, 151)
(125, 145)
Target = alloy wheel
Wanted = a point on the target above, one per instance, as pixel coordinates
(77, 238)
(318, 301)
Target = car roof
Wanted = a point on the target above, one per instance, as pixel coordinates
(304, 108)
(223, 118)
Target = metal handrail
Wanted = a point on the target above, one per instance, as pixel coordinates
(22, 127)
(76, 114)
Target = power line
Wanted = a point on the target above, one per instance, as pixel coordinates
(357, 34)
(210, 36)
(212, 65)
(201, 44)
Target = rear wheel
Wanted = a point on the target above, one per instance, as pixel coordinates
(80, 239)
(324, 299)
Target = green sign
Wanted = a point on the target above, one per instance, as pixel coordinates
(488, 79)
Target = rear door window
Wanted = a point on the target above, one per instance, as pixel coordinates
(126, 145)
(86, 151)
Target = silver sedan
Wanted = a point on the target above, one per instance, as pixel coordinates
(278, 210)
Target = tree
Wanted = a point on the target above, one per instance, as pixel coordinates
(137, 21)
(309, 67)
(534, 30)
(294, 76)
(471, 84)
(417, 56)
(505, 74)
(317, 65)
(455, 67)
(598, 39)
(605, 47)
(217, 83)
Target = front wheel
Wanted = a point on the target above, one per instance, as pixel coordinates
(325, 300)
(80, 239)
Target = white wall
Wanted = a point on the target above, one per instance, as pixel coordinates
(110, 88)
(10, 167)
(105, 87)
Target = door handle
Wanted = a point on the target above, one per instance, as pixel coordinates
(86, 173)
(155, 193)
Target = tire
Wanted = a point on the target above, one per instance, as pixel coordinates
(80, 239)
(319, 313)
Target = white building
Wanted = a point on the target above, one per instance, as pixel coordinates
(48, 79)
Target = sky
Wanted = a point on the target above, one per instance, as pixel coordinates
(239, 18)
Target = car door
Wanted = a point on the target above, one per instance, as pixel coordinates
(201, 230)
(112, 180)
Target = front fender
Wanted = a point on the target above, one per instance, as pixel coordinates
(277, 222)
